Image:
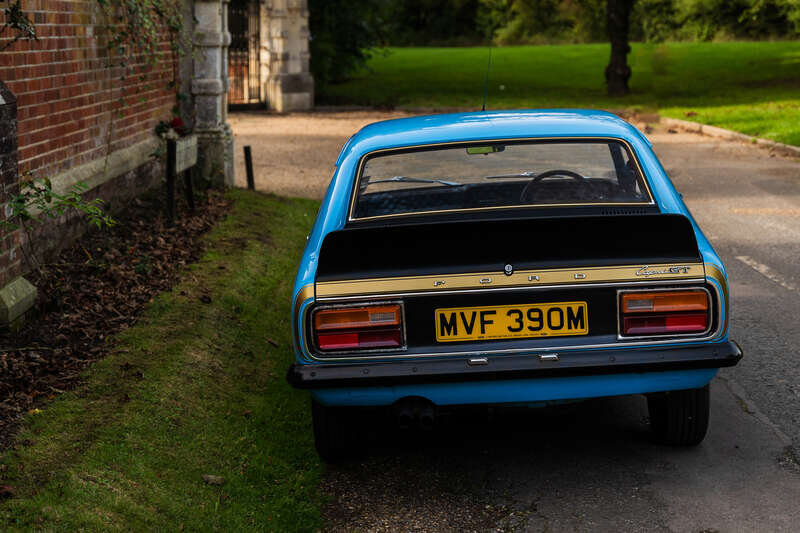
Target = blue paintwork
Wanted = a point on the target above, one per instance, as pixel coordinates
(478, 126)
(521, 390)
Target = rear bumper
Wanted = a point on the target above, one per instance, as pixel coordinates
(514, 367)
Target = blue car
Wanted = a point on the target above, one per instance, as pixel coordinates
(508, 257)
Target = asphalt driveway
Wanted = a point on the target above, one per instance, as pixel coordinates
(591, 466)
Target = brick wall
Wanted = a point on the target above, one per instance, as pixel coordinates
(67, 95)
(71, 108)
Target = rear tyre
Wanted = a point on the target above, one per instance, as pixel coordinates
(680, 418)
(334, 432)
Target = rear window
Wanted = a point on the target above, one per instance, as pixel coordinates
(498, 175)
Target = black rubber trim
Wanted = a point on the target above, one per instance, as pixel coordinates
(570, 363)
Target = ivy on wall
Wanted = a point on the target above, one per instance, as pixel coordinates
(17, 23)
(135, 31)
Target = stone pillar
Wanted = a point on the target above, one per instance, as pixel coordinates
(285, 73)
(210, 92)
(17, 295)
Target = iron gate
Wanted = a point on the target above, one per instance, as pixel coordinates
(243, 53)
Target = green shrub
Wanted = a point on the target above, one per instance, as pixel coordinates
(344, 35)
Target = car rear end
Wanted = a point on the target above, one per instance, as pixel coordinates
(463, 277)
(376, 333)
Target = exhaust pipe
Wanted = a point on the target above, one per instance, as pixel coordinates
(414, 411)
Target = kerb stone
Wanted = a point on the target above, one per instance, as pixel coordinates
(16, 299)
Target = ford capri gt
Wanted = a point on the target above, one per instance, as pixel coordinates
(509, 257)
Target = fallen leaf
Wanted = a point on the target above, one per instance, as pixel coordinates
(6, 491)
(213, 480)
(84, 303)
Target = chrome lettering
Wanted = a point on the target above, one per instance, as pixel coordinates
(647, 271)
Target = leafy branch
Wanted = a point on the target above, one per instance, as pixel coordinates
(135, 32)
(17, 21)
(37, 202)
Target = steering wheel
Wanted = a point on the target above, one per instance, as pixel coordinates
(527, 194)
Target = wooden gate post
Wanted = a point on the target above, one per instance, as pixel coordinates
(172, 171)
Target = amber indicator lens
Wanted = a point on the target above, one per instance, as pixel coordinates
(664, 301)
(678, 312)
(357, 317)
(359, 328)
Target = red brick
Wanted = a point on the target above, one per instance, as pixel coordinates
(66, 97)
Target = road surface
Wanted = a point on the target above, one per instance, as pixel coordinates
(592, 466)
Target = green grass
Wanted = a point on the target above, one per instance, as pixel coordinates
(751, 87)
(194, 388)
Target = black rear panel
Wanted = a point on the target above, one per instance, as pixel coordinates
(601, 317)
(487, 245)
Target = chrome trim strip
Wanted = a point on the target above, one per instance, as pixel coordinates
(364, 157)
(712, 272)
(533, 352)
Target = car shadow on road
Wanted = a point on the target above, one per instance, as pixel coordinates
(588, 466)
(511, 431)
(481, 468)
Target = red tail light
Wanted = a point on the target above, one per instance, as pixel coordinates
(677, 312)
(359, 328)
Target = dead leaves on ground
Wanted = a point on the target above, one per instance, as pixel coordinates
(94, 289)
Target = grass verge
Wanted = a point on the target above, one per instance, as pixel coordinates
(751, 87)
(196, 387)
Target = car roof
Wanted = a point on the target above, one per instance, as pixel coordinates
(486, 125)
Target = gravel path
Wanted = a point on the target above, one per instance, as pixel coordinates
(293, 155)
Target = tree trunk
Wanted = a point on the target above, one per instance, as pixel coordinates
(618, 14)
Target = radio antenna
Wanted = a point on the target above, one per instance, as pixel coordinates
(486, 81)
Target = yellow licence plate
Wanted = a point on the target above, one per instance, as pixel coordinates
(511, 321)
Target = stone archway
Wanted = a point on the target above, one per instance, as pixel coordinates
(269, 57)
(285, 56)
